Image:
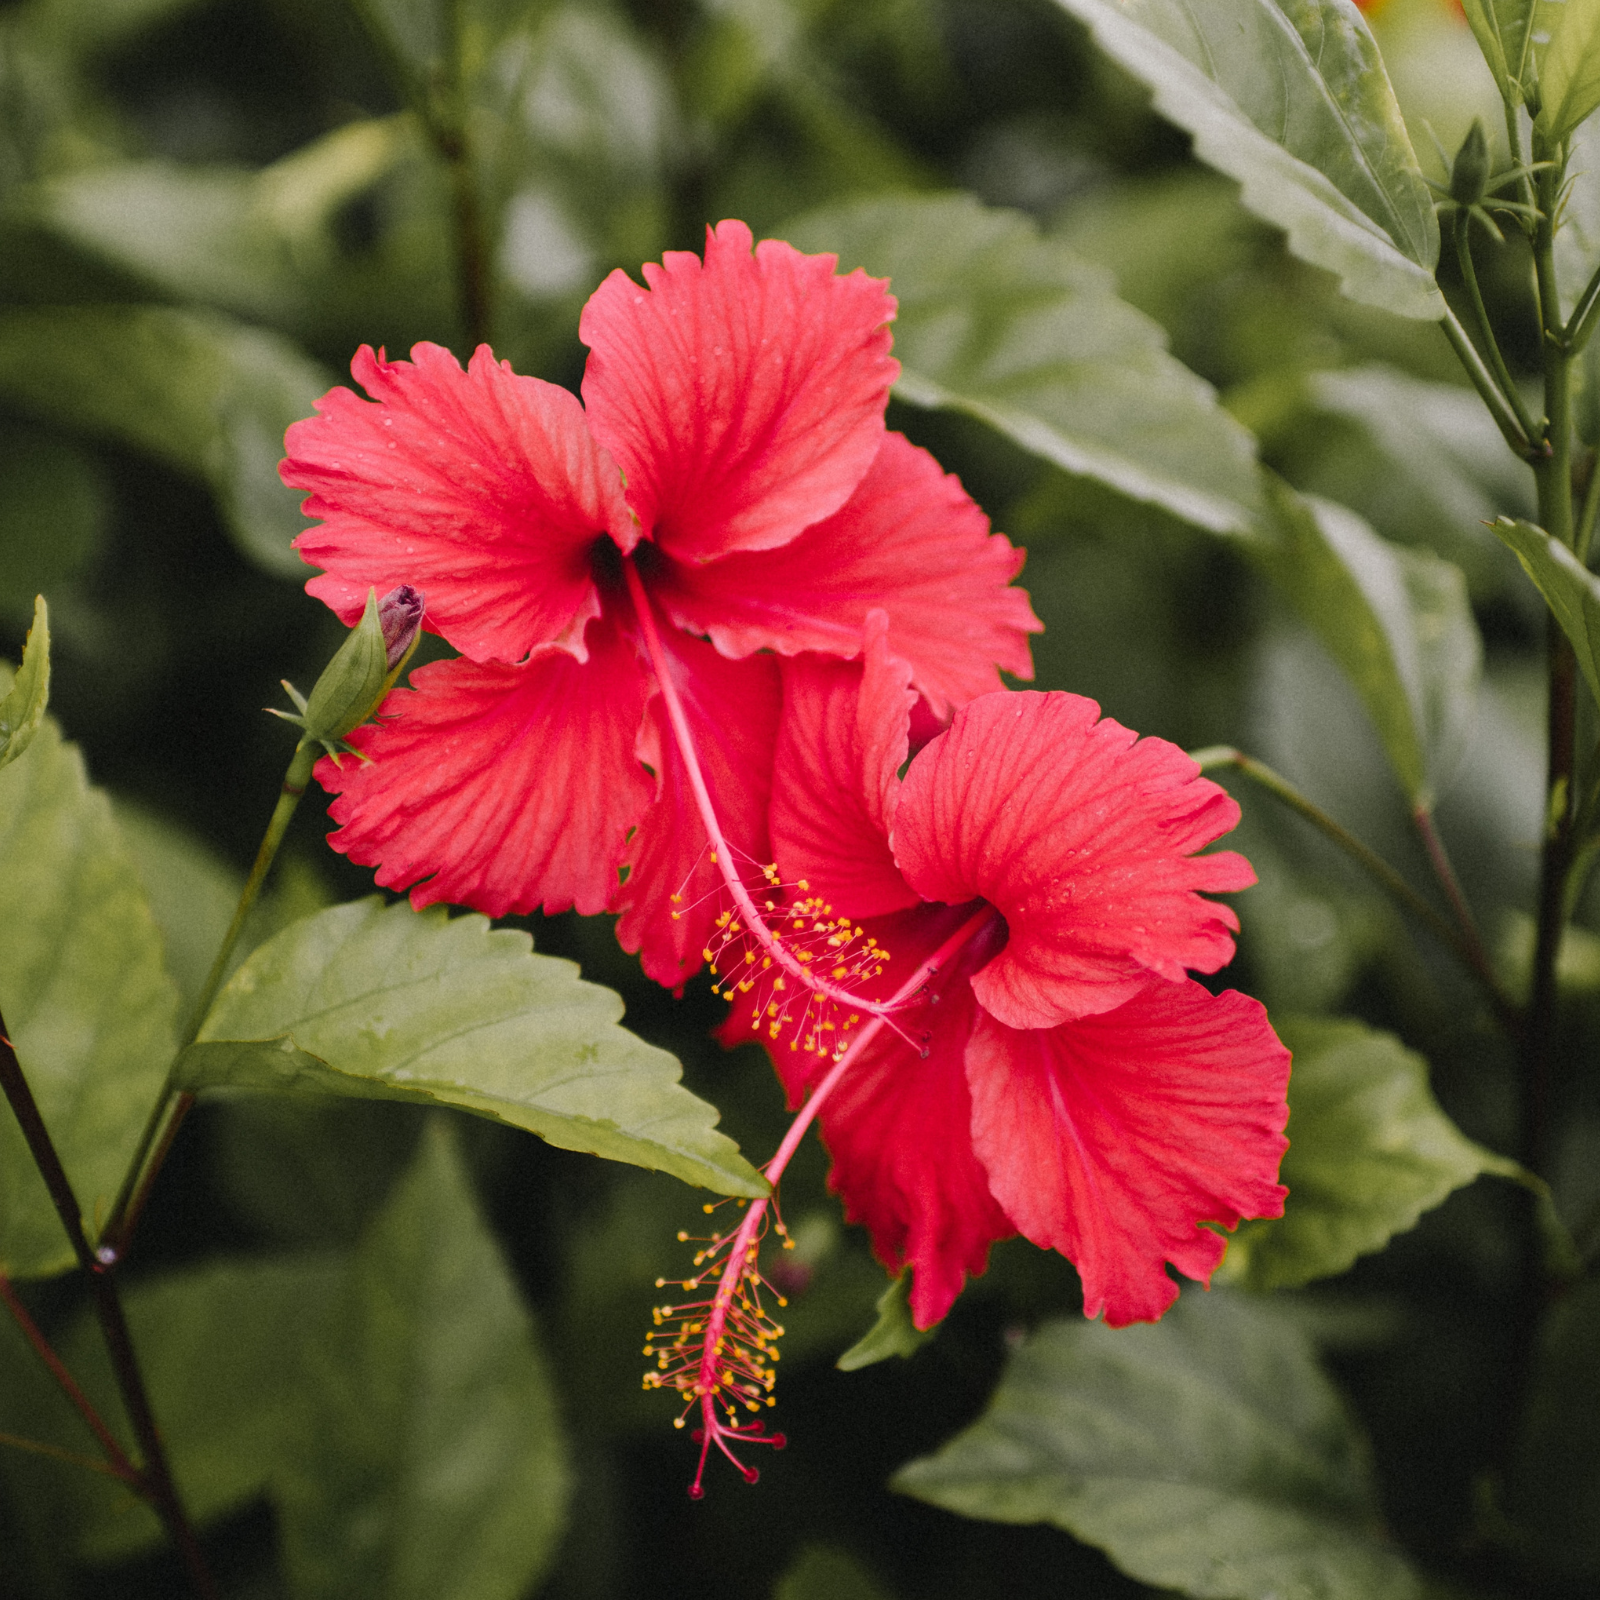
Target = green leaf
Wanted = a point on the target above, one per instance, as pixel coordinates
(1289, 98)
(1205, 1453)
(393, 1403)
(1017, 331)
(1397, 622)
(1570, 590)
(22, 706)
(893, 1334)
(1569, 66)
(388, 1003)
(1369, 1152)
(1437, 470)
(210, 396)
(1504, 30)
(821, 1572)
(85, 997)
(430, 1463)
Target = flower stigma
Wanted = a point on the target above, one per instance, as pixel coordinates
(721, 1351)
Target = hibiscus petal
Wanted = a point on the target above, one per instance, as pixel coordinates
(836, 776)
(483, 489)
(743, 397)
(1112, 1138)
(1081, 838)
(898, 1123)
(499, 787)
(910, 540)
(673, 890)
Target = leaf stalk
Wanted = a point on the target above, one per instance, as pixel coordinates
(1461, 942)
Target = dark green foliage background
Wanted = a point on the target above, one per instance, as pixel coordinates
(169, 638)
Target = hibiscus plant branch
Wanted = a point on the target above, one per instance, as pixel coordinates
(155, 1142)
(1469, 951)
(155, 1481)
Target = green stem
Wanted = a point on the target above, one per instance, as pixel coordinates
(1553, 480)
(174, 1105)
(1488, 391)
(1497, 362)
(1468, 949)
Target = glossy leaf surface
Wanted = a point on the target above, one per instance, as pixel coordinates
(1569, 65)
(1289, 98)
(388, 1003)
(429, 1462)
(1015, 330)
(1205, 1453)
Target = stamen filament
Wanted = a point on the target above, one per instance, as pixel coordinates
(721, 855)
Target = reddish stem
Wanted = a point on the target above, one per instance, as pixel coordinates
(118, 1462)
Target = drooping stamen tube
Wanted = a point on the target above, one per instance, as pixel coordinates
(719, 1376)
(720, 853)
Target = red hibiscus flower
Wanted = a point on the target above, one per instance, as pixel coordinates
(621, 576)
(1059, 1076)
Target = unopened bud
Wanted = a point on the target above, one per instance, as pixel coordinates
(347, 692)
(400, 618)
(1469, 177)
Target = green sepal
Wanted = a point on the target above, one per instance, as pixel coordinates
(22, 710)
(351, 684)
(893, 1334)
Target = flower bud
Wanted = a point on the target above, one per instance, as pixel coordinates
(347, 692)
(1469, 176)
(400, 618)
